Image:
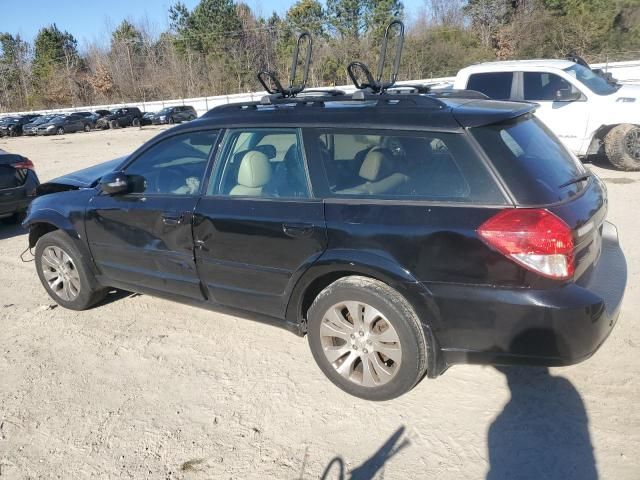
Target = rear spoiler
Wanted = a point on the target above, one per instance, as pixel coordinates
(480, 113)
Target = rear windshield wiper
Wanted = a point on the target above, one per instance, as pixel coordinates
(580, 178)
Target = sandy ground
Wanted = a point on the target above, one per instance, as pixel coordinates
(144, 388)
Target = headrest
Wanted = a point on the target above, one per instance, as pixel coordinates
(255, 170)
(268, 150)
(376, 165)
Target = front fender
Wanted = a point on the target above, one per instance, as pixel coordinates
(62, 211)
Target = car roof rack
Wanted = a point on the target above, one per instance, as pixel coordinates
(270, 81)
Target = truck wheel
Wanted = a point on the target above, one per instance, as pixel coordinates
(64, 273)
(87, 127)
(113, 124)
(367, 339)
(135, 122)
(622, 146)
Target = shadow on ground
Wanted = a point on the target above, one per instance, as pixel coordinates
(370, 467)
(542, 432)
(10, 230)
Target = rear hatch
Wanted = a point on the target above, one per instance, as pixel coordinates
(540, 172)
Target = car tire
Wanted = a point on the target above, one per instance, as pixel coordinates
(135, 122)
(622, 147)
(387, 341)
(87, 127)
(60, 131)
(113, 124)
(191, 118)
(65, 274)
(171, 121)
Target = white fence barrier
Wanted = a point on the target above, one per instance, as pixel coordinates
(626, 72)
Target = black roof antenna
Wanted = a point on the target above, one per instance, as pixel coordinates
(377, 85)
(272, 84)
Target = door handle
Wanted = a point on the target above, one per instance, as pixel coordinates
(298, 230)
(171, 220)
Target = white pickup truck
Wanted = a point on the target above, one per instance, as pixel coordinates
(588, 112)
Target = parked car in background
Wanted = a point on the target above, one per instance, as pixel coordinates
(170, 115)
(147, 118)
(90, 118)
(31, 128)
(18, 183)
(121, 117)
(586, 109)
(102, 113)
(64, 124)
(12, 126)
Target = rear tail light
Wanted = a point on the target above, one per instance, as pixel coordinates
(534, 238)
(25, 163)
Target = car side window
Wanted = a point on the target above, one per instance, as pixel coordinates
(434, 166)
(174, 166)
(266, 163)
(496, 85)
(543, 86)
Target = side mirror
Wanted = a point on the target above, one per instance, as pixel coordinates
(568, 95)
(114, 183)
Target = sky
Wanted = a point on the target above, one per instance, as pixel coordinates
(91, 21)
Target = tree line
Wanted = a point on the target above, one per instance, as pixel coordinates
(218, 46)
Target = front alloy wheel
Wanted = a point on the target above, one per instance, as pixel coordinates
(60, 273)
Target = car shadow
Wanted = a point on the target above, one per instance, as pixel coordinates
(10, 230)
(115, 295)
(542, 432)
(335, 469)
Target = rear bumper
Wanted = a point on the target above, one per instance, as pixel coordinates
(550, 327)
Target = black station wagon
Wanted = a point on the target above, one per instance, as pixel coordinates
(402, 233)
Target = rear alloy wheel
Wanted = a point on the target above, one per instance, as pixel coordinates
(367, 339)
(87, 127)
(622, 146)
(60, 131)
(113, 124)
(135, 122)
(64, 274)
(171, 121)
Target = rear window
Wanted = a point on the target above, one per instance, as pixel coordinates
(434, 166)
(496, 85)
(533, 161)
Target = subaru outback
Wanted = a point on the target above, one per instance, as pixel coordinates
(401, 233)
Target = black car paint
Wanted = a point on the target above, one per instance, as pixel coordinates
(473, 302)
(177, 114)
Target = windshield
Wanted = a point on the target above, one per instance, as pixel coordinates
(114, 110)
(593, 81)
(536, 166)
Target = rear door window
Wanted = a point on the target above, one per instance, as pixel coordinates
(496, 85)
(432, 166)
(533, 162)
(543, 86)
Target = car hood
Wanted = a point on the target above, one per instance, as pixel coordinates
(87, 177)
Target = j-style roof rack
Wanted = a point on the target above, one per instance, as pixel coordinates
(272, 84)
(377, 85)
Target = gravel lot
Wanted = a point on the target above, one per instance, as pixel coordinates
(144, 388)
